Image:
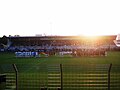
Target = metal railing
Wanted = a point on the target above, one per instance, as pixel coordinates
(62, 77)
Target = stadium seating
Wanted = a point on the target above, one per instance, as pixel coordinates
(53, 44)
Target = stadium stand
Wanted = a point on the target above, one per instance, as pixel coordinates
(51, 44)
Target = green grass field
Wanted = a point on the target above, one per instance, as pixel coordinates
(112, 57)
(79, 73)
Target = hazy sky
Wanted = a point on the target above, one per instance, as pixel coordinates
(59, 17)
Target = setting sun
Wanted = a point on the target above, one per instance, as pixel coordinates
(92, 33)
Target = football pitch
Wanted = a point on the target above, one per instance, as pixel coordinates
(112, 57)
(79, 73)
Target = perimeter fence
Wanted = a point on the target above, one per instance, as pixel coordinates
(59, 77)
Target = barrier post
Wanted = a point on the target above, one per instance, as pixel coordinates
(109, 70)
(16, 74)
(61, 72)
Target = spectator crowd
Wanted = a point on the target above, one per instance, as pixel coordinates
(56, 45)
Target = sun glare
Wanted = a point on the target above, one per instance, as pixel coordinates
(91, 34)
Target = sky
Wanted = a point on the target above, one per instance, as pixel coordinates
(59, 17)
